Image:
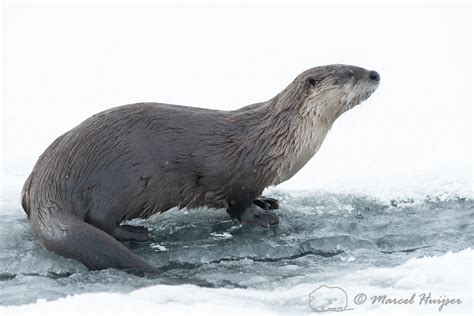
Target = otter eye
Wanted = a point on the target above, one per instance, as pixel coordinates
(312, 82)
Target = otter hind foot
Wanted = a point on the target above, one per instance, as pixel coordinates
(131, 233)
(259, 216)
(267, 203)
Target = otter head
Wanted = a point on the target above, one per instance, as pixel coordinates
(329, 91)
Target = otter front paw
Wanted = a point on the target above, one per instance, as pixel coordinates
(259, 216)
(266, 203)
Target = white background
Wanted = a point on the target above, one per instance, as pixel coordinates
(63, 63)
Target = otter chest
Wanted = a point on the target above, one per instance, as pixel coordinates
(307, 140)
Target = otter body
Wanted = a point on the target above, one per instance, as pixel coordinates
(136, 160)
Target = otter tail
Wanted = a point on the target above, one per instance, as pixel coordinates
(72, 238)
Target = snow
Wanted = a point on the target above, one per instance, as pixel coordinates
(417, 276)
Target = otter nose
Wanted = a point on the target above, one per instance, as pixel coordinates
(374, 76)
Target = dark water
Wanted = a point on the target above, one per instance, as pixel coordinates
(320, 235)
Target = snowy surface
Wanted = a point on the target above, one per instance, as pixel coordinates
(361, 243)
(416, 277)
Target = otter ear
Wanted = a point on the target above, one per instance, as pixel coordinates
(310, 84)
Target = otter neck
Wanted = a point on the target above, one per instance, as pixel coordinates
(287, 134)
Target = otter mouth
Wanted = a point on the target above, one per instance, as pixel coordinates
(364, 96)
(359, 97)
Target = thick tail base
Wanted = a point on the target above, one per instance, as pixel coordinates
(69, 237)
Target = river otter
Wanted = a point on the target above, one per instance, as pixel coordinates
(136, 160)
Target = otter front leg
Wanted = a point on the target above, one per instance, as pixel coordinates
(259, 216)
(252, 214)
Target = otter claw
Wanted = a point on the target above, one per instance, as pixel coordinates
(267, 203)
(259, 216)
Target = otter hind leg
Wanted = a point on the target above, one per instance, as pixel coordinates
(131, 233)
(69, 237)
